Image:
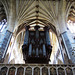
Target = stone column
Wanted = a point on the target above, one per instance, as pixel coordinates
(57, 71)
(30, 49)
(24, 71)
(4, 45)
(72, 71)
(7, 71)
(40, 71)
(16, 71)
(68, 46)
(33, 71)
(59, 40)
(65, 71)
(48, 71)
(26, 35)
(10, 27)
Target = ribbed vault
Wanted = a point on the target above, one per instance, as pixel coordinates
(71, 15)
(37, 12)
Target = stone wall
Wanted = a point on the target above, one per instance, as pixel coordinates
(35, 69)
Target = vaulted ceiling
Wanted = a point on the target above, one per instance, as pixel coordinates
(36, 13)
(39, 12)
(71, 15)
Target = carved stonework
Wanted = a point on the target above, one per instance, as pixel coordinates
(70, 51)
(5, 45)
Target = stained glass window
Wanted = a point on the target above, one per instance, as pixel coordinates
(3, 24)
(71, 26)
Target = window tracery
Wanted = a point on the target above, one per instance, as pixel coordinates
(3, 25)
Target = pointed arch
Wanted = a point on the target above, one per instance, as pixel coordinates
(12, 71)
(28, 71)
(4, 70)
(44, 71)
(69, 71)
(36, 71)
(20, 71)
(53, 71)
(61, 71)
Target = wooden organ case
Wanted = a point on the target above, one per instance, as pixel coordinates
(37, 47)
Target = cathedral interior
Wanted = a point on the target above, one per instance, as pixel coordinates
(37, 37)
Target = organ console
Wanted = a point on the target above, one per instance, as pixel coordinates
(37, 47)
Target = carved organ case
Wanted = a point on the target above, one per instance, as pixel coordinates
(37, 47)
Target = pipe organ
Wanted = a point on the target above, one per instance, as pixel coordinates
(37, 47)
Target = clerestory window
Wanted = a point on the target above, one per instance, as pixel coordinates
(3, 25)
(71, 26)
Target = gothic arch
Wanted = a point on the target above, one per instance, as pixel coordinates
(6, 58)
(12, 71)
(69, 71)
(53, 71)
(61, 71)
(20, 71)
(44, 71)
(36, 71)
(21, 28)
(28, 71)
(4, 70)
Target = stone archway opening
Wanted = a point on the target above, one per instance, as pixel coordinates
(17, 43)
